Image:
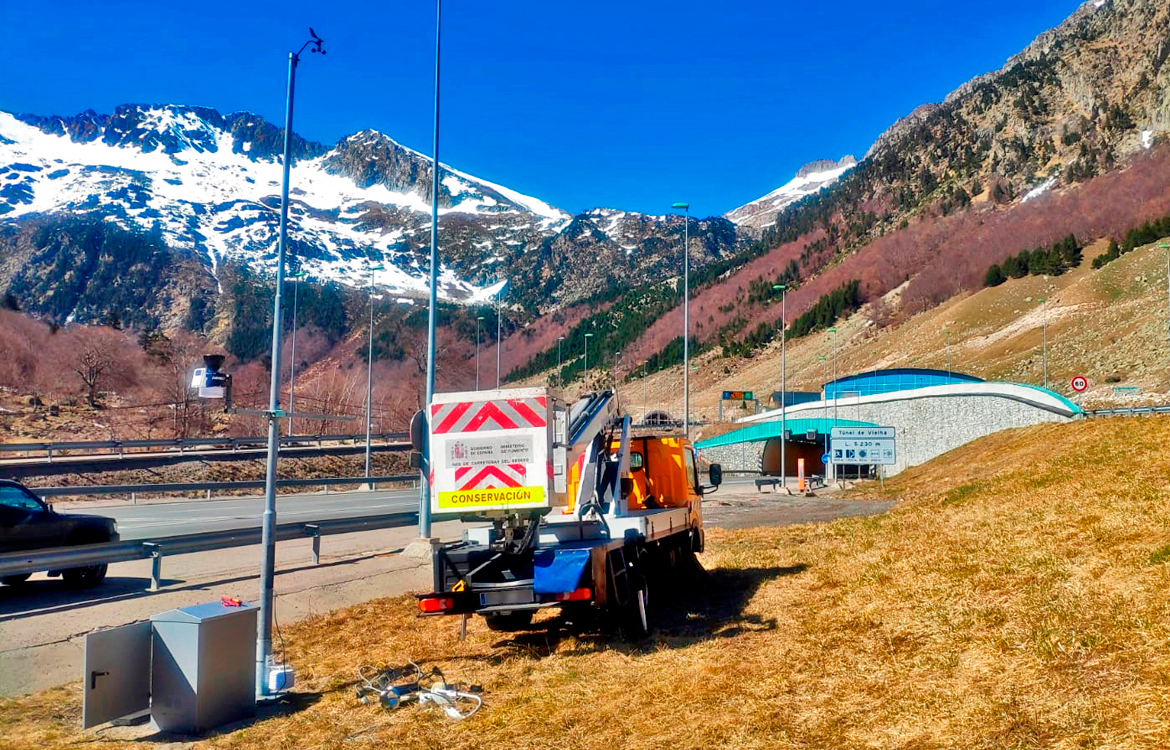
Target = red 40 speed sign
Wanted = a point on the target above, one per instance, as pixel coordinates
(1080, 384)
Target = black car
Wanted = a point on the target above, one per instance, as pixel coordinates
(27, 522)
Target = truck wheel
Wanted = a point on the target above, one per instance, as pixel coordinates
(15, 580)
(508, 622)
(90, 575)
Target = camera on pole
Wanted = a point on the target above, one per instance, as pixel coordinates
(211, 381)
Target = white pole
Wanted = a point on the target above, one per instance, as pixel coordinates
(784, 388)
(687, 323)
(424, 495)
(587, 361)
(268, 519)
(499, 330)
(645, 403)
(292, 364)
(370, 375)
(1046, 344)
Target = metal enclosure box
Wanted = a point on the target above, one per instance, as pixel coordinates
(203, 667)
(117, 673)
(497, 451)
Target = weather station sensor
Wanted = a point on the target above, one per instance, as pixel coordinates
(211, 382)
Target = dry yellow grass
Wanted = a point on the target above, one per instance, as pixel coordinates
(1017, 598)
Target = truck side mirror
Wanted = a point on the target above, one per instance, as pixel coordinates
(418, 431)
(715, 475)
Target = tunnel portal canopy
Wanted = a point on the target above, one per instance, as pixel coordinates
(799, 429)
(877, 382)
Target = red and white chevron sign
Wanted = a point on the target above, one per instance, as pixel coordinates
(474, 416)
(490, 477)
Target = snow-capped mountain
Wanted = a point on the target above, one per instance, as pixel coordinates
(810, 179)
(210, 184)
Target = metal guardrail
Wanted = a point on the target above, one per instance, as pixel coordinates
(1132, 411)
(63, 558)
(133, 490)
(224, 443)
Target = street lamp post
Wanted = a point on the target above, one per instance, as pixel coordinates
(499, 331)
(1044, 334)
(644, 397)
(783, 289)
(824, 402)
(268, 520)
(370, 366)
(686, 207)
(1166, 246)
(587, 337)
(478, 322)
(294, 279)
(424, 495)
(950, 365)
(560, 340)
(836, 389)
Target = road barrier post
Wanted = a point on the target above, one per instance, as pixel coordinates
(316, 532)
(155, 565)
(134, 498)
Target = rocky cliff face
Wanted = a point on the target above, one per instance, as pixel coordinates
(1075, 102)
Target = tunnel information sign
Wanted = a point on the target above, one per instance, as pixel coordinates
(864, 446)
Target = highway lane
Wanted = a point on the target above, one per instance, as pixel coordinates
(16, 468)
(197, 516)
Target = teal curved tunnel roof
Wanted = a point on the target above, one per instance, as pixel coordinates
(757, 433)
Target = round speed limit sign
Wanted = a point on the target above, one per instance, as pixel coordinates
(1080, 384)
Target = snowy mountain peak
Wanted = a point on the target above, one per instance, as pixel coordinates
(211, 184)
(811, 178)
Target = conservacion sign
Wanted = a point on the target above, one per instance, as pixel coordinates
(490, 498)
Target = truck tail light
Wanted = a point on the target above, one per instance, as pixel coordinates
(433, 604)
(577, 595)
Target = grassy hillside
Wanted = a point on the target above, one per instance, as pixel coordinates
(1017, 597)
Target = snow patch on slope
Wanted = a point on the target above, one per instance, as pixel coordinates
(762, 212)
(1039, 190)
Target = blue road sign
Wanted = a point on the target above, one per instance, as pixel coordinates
(825, 458)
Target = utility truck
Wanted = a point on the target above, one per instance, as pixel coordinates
(570, 507)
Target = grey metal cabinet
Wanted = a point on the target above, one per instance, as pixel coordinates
(203, 667)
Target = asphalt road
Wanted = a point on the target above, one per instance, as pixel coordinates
(149, 521)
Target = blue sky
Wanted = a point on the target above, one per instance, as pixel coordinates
(631, 105)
